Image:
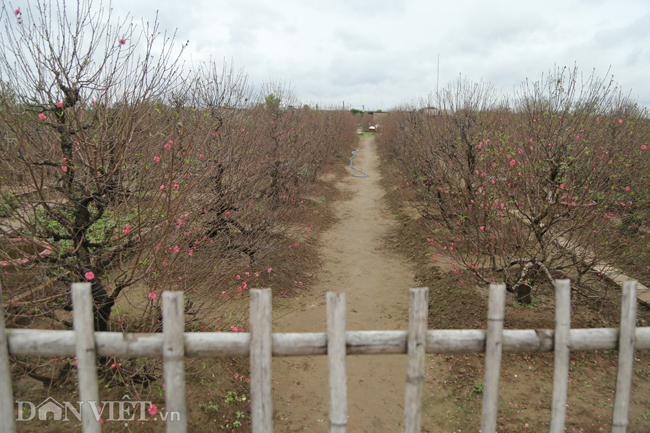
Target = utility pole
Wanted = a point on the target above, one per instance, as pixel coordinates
(438, 78)
(363, 108)
(343, 105)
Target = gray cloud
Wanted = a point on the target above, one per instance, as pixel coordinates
(385, 52)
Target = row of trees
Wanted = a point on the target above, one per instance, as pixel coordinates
(541, 186)
(123, 168)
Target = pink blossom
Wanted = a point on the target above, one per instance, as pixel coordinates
(242, 130)
(42, 116)
(176, 187)
(482, 228)
(643, 147)
(234, 328)
(59, 104)
(238, 277)
(156, 158)
(122, 41)
(93, 101)
(168, 146)
(152, 295)
(480, 145)
(620, 120)
(223, 293)
(191, 252)
(176, 249)
(269, 271)
(17, 12)
(627, 188)
(64, 168)
(89, 275)
(239, 289)
(201, 156)
(162, 186)
(227, 213)
(513, 162)
(561, 185)
(152, 409)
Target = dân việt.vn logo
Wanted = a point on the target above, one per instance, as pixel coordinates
(119, 410)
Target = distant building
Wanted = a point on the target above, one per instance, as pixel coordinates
(430, 111)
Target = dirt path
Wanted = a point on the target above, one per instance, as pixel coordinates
(376, 283)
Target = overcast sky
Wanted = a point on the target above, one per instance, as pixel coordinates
(383, 53)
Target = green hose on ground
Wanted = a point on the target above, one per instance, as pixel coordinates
(354, 152)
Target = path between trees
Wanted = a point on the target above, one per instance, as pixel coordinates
(376, 283)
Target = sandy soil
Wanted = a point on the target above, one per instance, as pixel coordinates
(376, 282)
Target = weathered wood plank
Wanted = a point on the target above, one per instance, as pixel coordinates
(84, 326)
(561, 356)
(338, 413)
(30, 342)
(418, 318)
(174, 360)
(493, 347)
(8, 424)
(625, 358)
(260, 359)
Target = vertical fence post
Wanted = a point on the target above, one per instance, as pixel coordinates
(625, 358)
(493, 347)
(260, 358)
(336, 351)
(417, 336)
(84, 329)
(561, 361)
(174, 360)
(8, 425)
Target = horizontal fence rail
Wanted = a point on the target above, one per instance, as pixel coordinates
(174, 345)
(30, 342)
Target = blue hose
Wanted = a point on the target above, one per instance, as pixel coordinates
(353, 167)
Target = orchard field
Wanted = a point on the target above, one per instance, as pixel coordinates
(550, 185)
(140, 174)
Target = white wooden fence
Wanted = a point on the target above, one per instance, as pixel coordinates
(174, 345)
